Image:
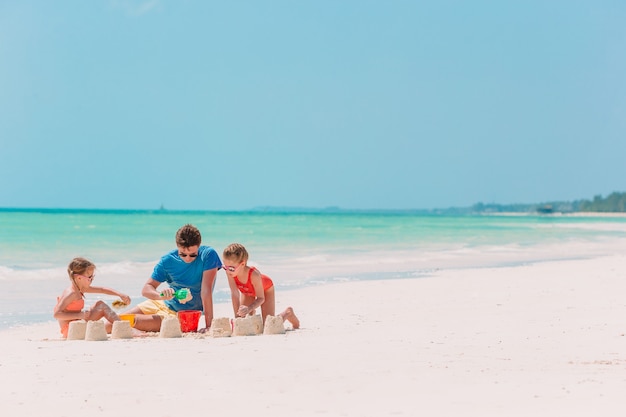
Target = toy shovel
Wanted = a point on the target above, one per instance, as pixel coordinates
(180, 294)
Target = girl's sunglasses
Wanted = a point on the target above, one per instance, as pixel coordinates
(89, 277)
(230, 268)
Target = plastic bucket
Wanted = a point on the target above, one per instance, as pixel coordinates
(189, 320)
(128, 317)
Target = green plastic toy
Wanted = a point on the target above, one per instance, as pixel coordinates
(180, 294)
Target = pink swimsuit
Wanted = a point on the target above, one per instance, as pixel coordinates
(74, 306)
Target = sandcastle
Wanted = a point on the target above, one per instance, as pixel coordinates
(121, 330)
(274, 325)
(220, 327)
(96, 331)
(170, 327)
(248, 326)
(77, 330)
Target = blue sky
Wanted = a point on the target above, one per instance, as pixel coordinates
(206, 105)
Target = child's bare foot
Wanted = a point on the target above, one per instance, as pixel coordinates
(137, 333)
(290, 316)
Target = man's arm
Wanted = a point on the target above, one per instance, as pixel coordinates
(150, 291)
(206, 292)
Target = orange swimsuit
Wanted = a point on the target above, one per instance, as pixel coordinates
(74, 307)
(248, 289)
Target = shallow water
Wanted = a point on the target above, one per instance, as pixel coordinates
(295, 249)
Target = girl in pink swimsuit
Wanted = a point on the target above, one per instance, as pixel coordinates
(70, 304)
(249, 288)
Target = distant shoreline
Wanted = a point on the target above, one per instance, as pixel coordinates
(595, 214)
(614, 205)
(334, 210)
(556, 214)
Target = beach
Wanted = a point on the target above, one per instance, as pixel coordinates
(542, 339)
(435, 188)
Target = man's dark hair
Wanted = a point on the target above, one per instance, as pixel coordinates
(188, 236)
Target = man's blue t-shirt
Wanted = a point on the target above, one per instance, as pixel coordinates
(180, 274)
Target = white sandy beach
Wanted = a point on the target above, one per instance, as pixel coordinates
(536, 340)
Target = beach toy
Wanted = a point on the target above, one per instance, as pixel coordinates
(96, 331)
(170, 327)
(117, 304)
(189, 320)
(183, 295)
(121, 330)
(129, 318)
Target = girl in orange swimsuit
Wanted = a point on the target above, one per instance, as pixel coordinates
(249, 288)
(70, 304)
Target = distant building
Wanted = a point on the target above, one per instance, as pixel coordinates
(545, 209)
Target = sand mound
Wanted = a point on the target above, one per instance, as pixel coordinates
(170, 327)
(121, 330)
(96, 331)
(77, 330)
(220, 327)
(248, 326)
(274, 325)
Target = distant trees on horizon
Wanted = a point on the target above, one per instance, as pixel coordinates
(613, 203)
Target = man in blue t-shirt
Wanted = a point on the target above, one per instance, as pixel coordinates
(190, 266)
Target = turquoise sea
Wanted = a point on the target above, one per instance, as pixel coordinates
(296, 249)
